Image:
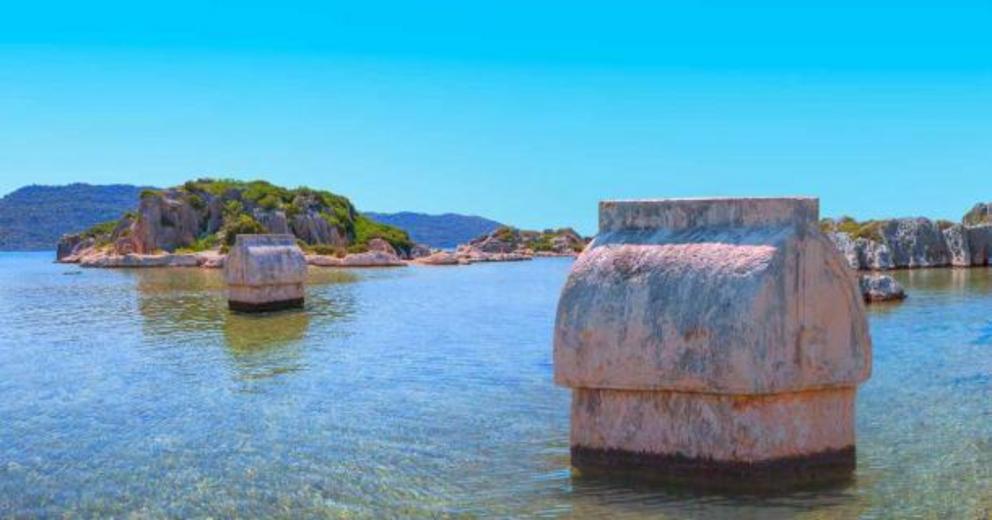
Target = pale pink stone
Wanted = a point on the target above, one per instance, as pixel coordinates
(681, 308)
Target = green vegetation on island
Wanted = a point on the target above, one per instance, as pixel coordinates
(206, 214)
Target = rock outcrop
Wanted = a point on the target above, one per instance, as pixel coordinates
(958, 245)
(880, 288)
(980, 243)
(506, 244)
(366, 259)
(979, 214)
(504, 240)
(420, 251)
(712, 337)
(70, 248)
(915, 242)
(440, 258)
(165, 222)
(909, 243)
(380, 245)
(108, 259)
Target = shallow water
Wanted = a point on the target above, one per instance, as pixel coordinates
(413, 392)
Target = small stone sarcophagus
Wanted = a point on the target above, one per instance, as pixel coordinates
(264, 273)
(707, 337)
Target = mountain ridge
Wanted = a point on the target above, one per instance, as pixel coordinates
(444, 231)
(34, 217)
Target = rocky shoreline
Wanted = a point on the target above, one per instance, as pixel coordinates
(166, 224)
(105, 258)
(916, 242)
(504, 244)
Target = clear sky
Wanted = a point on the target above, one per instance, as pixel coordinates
(525, 112)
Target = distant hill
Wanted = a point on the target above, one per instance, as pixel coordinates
(34, 217)
(442, 231)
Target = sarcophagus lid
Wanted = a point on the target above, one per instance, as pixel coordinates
(722, 296)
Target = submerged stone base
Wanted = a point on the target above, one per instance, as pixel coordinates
(805, 435)
(829, 468)
(265, 298)
(295, 303)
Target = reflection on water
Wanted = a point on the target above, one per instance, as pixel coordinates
(265, 345)
(414, 392)
(248, 334)
(977, 281)
(183, 302)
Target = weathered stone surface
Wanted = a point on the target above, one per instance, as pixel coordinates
(880, 288)
(720, 299)
(874, 255)
(164, 223)
(265, 272)
(367, 259)
(471, 255)
(314, 229)
(845, 244)
(727, 330)
(378, 244)
(70, 246)
(274, 221)
(714, 426)
(980, 243)
(958, 246)
(979, 214)
(439, 258)
(915, 242)
(420, 251)
(110, 259)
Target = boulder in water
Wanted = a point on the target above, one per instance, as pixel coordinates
(880, 288)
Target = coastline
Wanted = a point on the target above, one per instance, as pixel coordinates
(216, 259)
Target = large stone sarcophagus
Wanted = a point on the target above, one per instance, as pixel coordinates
(712, 336)
(264, 273)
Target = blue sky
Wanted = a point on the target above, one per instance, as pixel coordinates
(525, 112)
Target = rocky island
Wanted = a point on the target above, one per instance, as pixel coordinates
(509, 244)
(914, 242)
(194, 224)
(910, 243)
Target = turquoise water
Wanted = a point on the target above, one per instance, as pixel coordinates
(413, 392)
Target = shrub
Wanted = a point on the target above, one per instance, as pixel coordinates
(149, 193)
(542, 244)
(241, 225)
(871, 230)
(366, 229)
(327, 250)
(100, 230)
(270, 201)
(292, 209)
(197, 202)
(358, 248)
(233, 208)
(848, 225)
(214, 187)
(203, 243)
(505, 234)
